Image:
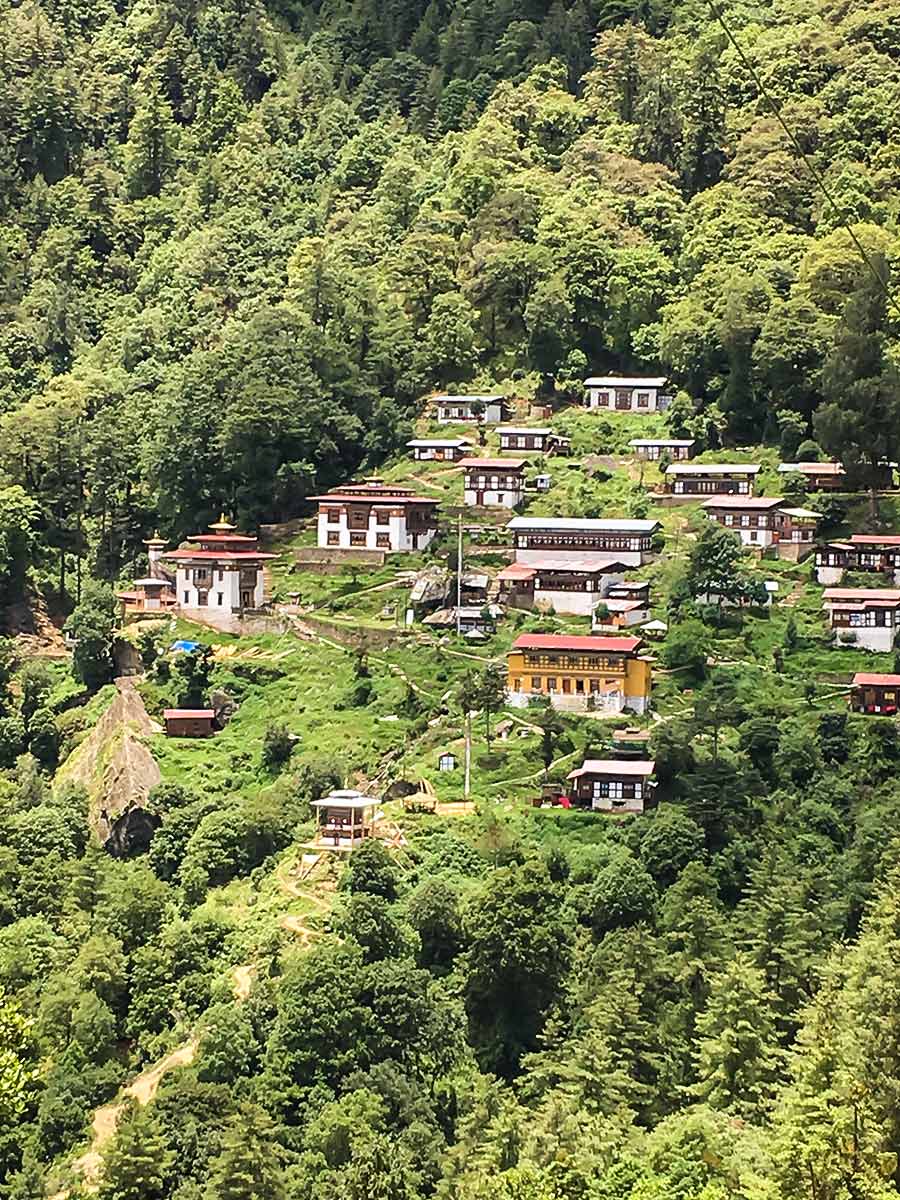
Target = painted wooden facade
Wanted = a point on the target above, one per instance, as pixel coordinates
(376, 516)
(602, 673)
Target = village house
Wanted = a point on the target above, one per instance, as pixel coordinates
(439, 449)
(563, 584)
(630, 589)
(221, 574)
(468, 618)
(871, 553)
(613, 613)
(345, 818)
(613, 785)
(628, 541)
(799, 527)
(147, 597)
(630, 742)
(601, 673)
(706, 479)
(615, 393)
(831, 476)
(653, 449)
(470, 410)
(866, 617)
(189, 722)
(376, 516)
(764, 521)
(494, 482)
(544, 441)
(875, 694)
(755, 519)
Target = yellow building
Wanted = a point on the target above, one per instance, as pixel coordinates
(574, 672)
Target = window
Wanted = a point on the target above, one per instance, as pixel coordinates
(220, 599)
(382, 516)
(501, 496)
(334, 516)
(383, 541)
(536, 683)
(745, 520)
(357, 539)
(201, 599)
(246, 599)
(200, 574)
(334, 539)
(729, 518)
(522, 442)
(643, 399)
(595, 686)
(187, 597)
(551, 683)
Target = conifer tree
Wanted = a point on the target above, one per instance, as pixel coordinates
(248, 1166)
(736, 1052)
(137, 1164)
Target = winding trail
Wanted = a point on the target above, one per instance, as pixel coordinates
(142, 1089)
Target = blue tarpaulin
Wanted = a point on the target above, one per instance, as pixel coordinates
(187, 647)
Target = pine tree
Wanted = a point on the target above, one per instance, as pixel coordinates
(248, 1166)
(736, 1052)
(152, 141)
(137, 1164)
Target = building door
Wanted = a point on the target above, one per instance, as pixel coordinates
(246, 599)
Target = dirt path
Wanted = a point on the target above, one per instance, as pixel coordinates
(298, 926)
(142, 1089)
(242, 981)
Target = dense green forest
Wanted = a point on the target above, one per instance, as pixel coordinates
(240, 242)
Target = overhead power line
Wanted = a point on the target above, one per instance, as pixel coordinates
(811, 167)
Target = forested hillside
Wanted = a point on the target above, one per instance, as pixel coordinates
(240, 244)
(239, 241)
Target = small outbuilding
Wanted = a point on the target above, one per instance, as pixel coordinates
(190, 722)
(345, 818)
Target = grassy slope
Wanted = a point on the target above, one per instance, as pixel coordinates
(317, 678)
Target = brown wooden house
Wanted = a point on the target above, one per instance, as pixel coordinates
(189, 722)
(613, 785)
(872, 693)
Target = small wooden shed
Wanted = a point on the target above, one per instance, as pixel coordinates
(189, 722)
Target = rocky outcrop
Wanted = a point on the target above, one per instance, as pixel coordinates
(118, 772)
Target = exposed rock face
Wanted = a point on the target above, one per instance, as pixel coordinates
(118, 772)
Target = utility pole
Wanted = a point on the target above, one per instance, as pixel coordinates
(468, 783)
(459, 552)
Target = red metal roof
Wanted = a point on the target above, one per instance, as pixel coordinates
(559, 641)
(493, 464)
(861, 678)
(218, 555)
(189, 714)
(743, 502)
(863, 595)
(518, 571)
(377, 499)
(614, 766)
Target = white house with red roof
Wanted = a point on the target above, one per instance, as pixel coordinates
(373, 515)
(219, 574)
(866, 617)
